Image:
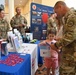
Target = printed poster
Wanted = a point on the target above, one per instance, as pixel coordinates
(39, 16)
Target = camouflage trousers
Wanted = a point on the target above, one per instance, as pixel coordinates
(68, 65)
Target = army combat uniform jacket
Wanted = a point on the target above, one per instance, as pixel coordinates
(16, 21)
(51, 24)
(68, 43)
(4, 28)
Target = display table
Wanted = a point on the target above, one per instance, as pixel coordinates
(40, 59)
(19, 69)
(30, 49)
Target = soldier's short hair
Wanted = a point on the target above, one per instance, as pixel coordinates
(16, 8)
(1, 10)
(60, 2)
(1, 7)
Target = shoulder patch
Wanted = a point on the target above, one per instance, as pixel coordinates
(71, 23)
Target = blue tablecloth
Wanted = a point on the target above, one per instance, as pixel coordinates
(40, 59)
(23, 68)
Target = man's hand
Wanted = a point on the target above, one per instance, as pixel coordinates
(22, 25)
(15, 26)
(57, 39)
(53, 47)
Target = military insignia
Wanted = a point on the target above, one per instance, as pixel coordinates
(70, 24)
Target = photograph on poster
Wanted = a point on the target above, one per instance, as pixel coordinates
(39, 16)
(39, 21)
(38, 13)
(34, 13)
(34, 21)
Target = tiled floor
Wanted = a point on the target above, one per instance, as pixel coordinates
(41, 70)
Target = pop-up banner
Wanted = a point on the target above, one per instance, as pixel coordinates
(39, 16)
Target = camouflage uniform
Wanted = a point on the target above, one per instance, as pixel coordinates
(68, 43)
(18, 21)
(51, 24)
(4, 28)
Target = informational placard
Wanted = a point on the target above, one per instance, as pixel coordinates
(39, 16)
(16, 43)
(45, 51)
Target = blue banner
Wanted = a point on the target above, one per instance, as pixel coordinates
(39, 16)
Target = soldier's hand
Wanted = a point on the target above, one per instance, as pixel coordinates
(21, 25)
(57, 39)
(53, 47)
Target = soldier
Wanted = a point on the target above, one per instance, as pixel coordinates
(52, 22)
(68, 40)
(18, 21)
(4, 25)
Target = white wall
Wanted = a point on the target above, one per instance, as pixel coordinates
(50, 2)
(26, 9)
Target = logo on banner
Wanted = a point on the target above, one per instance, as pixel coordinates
(34, 7)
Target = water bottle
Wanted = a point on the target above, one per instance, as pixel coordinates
(4, 48)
